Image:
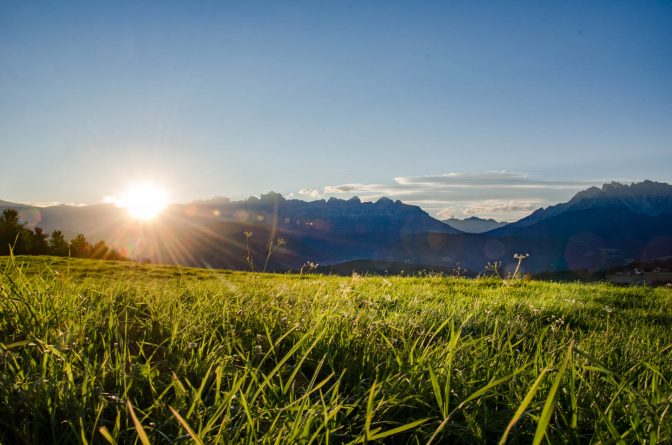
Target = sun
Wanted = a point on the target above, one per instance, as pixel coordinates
(143, 200)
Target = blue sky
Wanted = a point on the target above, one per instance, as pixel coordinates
(321, 99)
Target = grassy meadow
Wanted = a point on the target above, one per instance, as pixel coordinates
(118, 352)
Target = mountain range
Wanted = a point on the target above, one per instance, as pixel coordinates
(598, 228)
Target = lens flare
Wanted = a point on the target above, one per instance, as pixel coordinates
(143, 200)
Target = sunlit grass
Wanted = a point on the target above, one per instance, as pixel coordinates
(104, 351)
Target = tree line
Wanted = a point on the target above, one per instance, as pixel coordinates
(17, 238)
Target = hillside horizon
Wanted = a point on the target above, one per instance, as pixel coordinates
(599, 228)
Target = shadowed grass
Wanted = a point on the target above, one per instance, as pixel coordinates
(95, 352)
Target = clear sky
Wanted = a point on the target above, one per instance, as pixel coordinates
(467, 108)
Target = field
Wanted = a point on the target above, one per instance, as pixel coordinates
(115, 352)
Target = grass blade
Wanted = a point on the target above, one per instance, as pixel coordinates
(397, 430)
(138, 426)
(106, 434)
(549, 406)
(369, 411)
(186, 426)
(524, 404)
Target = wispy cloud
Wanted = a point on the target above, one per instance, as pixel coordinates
(487, 180)
(55, 203)
(501, 195)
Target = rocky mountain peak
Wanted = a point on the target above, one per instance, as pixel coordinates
(272, 196)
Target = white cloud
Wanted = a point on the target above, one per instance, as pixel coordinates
(310, 193)
(446, 213)
(491, 206)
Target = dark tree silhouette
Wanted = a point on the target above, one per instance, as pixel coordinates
(80, 247)
(58, 245)
(13, 235)
(38, 243)
(10, 216)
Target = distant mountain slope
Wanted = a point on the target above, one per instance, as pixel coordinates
(644, 198)
(474, 224)
(11, 205)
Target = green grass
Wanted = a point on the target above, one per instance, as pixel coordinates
(98, 352)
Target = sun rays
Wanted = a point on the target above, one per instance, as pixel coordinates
(143, 200)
